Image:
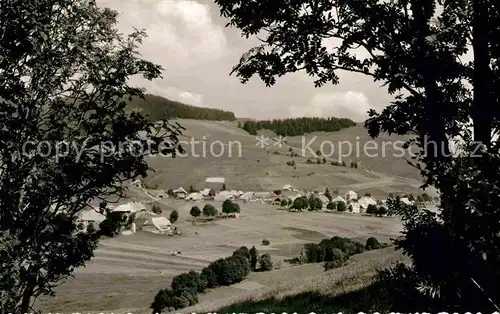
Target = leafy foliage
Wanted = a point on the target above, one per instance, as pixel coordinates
(328, 194)
(337, 260)
(156, 209)
(341, 206)
(372, 209)
(209, 211)
(112, 224)
(315, 203)
(254, 257)
(265, 263)
(327, 250)
(243, 251)
(228, 207)
(174, 216)
(416, 50)
(372, 244)
(300, 203)
(63, 85)
(195, 212)
(186, 286)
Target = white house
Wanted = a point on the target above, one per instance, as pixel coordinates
(91, 216)
(339, 199)
(287, 187)
(406, 201)
(247, 196)
(351, 195)
(196, 196)
(130, 208)
(180, 192)
(324, 200)
(161, 194)
(354, 207)
(158, 225)
(263, 196)
(215, 180)
(365, 201)
(137, 184)
(222, 196)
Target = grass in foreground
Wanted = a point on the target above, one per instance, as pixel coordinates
(366, 299)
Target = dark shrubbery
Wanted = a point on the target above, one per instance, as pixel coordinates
(191, 281)
(372, 209)
(335, 251)
(230, 270)
(210, 277)
(338, 260)
(243, 251)
(372, 244)
(156, 209)
(186, 286)
(174, 216)
(265, 242)
(254, 257)
(301, 202)
(265, 263)
(341, 206)
(112, 224)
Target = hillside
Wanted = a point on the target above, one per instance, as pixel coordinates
(234, 154)
(158, 108)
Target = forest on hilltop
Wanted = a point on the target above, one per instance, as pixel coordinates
(158, 108)
(298, 126)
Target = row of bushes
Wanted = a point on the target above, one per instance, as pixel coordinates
(336, 251)
(185, 287)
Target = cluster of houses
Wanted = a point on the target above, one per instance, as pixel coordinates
(142, 218)
(354, 203)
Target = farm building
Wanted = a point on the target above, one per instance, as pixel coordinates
(263, 196)
(161, 194)
(91, 216)
(406, 201)
(287, 187)
(220, 180)
(158, 225)
(223, 195)
(365, 201)
(196, 196)
(339, 199)
(180, 193)
(323, 199)
(215, 183)
(130, 208)
(354, 207)
(351, 195)
(137, 184)
(247, 196)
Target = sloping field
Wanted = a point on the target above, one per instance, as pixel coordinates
(128, 270)
(217, 149)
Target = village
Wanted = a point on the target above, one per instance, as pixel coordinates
(141, 215)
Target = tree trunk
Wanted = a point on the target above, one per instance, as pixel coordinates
(26, 299)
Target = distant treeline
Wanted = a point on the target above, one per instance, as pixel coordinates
(158, 108)
(298, 126)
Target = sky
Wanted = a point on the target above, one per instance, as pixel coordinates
(188, 38)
